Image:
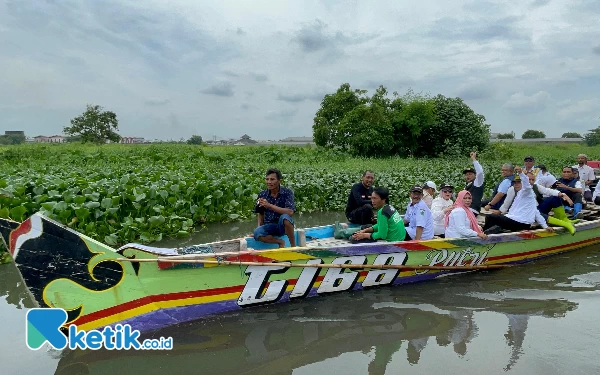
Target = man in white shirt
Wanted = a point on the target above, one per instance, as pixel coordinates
(418, 219)
(586, 175)
(545, 178)
(441, 205)
(523, 211)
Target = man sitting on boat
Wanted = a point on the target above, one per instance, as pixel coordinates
(429, 190)
(571, 186)
(441, 205)
(474, 182)
(545, 178)
(552, 200)
(389, 225)
(359, 209)
(500, 190)
(418, 219)
(586, 176)
(275, 207)
(461, 220)
(530, 167)
(522, 213)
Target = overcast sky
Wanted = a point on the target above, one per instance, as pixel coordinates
(171, 69)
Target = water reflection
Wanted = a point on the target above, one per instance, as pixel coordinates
(12, 286)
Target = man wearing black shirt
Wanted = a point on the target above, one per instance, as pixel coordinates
(359, 209)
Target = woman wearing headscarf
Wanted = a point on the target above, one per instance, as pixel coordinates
(461, 221)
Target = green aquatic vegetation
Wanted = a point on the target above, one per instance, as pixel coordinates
(140, 193)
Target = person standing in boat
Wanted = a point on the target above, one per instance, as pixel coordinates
(461, 221)
(418, 218)
(501, 189)
(275, 207)
(474, 182)
(359, 209)
(441, 205)
(389, 225)
(522, 213)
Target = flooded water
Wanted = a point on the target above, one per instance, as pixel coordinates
(540, 318)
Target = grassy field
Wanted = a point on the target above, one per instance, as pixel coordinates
(142, 193)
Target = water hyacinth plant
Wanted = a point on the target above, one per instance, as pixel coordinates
(143, 193)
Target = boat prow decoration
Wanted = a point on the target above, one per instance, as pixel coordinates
(101, 286)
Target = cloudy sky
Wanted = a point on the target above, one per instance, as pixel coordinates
(171, 69)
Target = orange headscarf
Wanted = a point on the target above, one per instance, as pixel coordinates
(459, 204)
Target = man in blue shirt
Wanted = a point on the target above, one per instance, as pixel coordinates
(275, 207)
(418, 218)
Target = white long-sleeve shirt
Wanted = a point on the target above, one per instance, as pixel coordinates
(510, 197)
(524, 207)
(459, 225)
(439, 217)
(479, 177)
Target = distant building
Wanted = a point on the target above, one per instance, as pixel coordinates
(50, 139)
(132, 140)
(245, 140)
(14, 132)
(305, 140)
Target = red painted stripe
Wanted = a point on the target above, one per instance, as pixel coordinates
(24, 228)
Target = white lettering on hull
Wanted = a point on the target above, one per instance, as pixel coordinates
(336, 280)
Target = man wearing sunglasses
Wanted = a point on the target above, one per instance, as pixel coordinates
(441, 205)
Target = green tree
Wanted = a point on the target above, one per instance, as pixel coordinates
(532, 134)
(571, 135)
(457, 130)
(510, 135)
(95, 125)
(411, 115)
(195, 140)
(368, 131)
(12, 139)
(328, 119)
(76, 138)
(593, 137)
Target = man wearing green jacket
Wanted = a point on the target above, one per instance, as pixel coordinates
(389, 227)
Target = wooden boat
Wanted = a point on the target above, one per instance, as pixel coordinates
(150, 287)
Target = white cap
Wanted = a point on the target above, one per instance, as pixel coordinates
(430, 184)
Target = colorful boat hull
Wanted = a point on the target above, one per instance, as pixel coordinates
(65, 269)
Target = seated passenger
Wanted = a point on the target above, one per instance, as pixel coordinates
(545, 178)
(461, 221)
(275, 207)
(500, 190)
(586, 175)
(389, 225)
(359, 209)
(552, 200)
(522, 213)
(571, 186)
(418, 217)
(429, 190)
(441, 205)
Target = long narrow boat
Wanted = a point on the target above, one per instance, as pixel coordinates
(151, 287)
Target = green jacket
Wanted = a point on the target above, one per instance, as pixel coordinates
(390, 226)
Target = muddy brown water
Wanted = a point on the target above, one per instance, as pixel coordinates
(540, 318)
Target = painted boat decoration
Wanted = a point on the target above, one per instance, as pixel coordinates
(101, 286)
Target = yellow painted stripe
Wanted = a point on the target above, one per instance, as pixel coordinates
(289, 256)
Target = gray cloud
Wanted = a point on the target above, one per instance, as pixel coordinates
(156, 102)
(475, 90)
(596, 50)
(259, 77)
(239, 31)
(539, 3)
(229, 73)
(247, 106)
(481, 30)
(316, 37)
(522, 103)
(220, 89)
(281, 114)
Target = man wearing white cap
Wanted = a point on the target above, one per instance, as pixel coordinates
(586, 175)
(429, 190)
